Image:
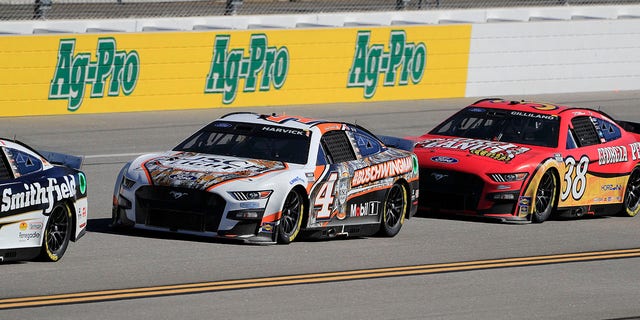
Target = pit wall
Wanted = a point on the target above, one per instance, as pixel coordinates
(63, 73)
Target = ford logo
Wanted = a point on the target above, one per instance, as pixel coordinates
(222, 125)
(443, 159)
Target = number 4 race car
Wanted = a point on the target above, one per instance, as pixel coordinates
(522, 161)
(267, 179)
(44, 202)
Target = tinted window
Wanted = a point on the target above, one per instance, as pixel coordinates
(22, 162)
(251, 141)
(502, 125)
(607, 130)
(366, 144)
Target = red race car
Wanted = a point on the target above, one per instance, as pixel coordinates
(522, 161)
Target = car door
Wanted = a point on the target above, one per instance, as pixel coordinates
(592, 163)
(329, 194)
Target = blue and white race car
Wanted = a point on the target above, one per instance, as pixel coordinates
(267, 179)
(43, 205)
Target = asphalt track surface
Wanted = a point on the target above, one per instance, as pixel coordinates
(435, 268)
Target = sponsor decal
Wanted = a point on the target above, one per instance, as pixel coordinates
(205, 171)
(296, 180)
(23, 226)
(35, 225)
(266, 228)
(371, 208)
(82, 182)
(534, 115)
(382, 170)
(222, 125)
(477, 110)
(114, 71)
(404, 62)
(524, 201)
(501, 151)
(26, 236)
(635, 150)
(523, 210)
(544, 106)
(611, 187)
(264, 67)
(610, 155)
(28, 195)
(249, 205)
(443, 159)
(185, 176)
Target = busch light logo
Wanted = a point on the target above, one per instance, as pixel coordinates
(113, 70)
(263, 67)
(403, 62)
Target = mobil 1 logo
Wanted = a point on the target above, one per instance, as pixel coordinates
(265, 66)
(113, 70)
(403, 62)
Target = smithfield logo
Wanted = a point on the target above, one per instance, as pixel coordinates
(403, 62)
(113, 69)
(263, 67)
(443, 159)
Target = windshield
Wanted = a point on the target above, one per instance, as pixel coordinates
(502, 125)
(248, 140)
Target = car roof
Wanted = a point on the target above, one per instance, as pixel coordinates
(291, 121)
(524, 106)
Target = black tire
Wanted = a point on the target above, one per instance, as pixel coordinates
(632, 194)
(57, 233)
(395, 209)
(545, 197)
(291, 220)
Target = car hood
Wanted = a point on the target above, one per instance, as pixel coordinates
(201, 171)
(439, 151)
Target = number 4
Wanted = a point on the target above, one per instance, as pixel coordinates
(324, 199)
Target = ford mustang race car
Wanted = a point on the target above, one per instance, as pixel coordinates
(522, 161)
(267, 179)
(44, 202)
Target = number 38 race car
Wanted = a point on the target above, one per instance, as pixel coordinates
(267, 179)
(43, 205)
(523, 161)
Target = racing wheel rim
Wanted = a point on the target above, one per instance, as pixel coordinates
(632, 197)
(545, 195)
(395, 206)
(291, 215)
(57, 233)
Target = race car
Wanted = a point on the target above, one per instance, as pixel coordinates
(522, 161)
(270, 178)
(44, 202)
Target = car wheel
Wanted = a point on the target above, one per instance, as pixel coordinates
(632, 194)
(291, 219)
(57, 233)
(544, 198)
(395, 209)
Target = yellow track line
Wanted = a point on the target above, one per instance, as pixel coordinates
(145, 292)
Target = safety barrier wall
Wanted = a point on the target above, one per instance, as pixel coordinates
(141, 71)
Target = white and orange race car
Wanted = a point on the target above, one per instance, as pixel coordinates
(268, 179)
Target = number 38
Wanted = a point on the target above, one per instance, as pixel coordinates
(575, 183)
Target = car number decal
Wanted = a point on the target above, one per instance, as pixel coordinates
(575, 178)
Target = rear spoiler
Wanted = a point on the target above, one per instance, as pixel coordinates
(398, 143)
(67, 160)
(630, 126)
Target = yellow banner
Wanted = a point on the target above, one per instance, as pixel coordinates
(95, 73)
